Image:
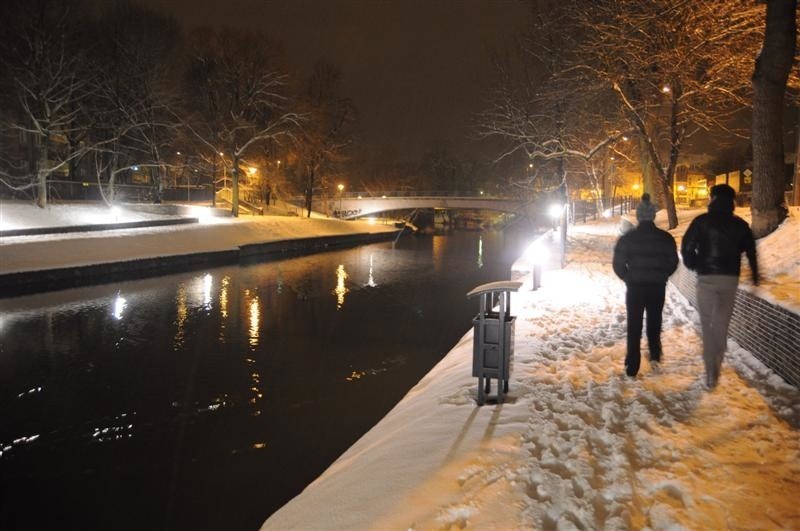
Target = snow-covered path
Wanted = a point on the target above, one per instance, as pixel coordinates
(576, 445)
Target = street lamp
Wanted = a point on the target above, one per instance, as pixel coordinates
(340, 187)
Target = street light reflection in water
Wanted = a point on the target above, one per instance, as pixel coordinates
(341, 289)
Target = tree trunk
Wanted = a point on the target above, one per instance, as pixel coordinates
(309, 191)
(112, 177)
(158, 177)
(769, 86)
(235, 187)
(669, 204)
(648, 186)
(796, 181)
(213, 181)
(41, 172)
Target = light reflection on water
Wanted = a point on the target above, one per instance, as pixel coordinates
(181, 312)
(284, 369)
(223, 297)
(341, 289)
(208, 282)
(255, 319)
(371, 280)
(119, 306)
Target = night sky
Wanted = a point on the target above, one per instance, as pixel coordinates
(416, 69)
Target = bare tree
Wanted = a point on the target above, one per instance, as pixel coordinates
(671, 69)
(773, 64)
(134, 93)
(677, 69)
(236, 95)
(45, 88)
(327, 131)
(543, 106)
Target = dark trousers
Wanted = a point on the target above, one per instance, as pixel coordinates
(641, 298)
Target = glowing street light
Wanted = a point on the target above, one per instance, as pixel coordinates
(555, 211)
(536, 254)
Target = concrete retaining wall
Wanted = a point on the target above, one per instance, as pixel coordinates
(14, 284)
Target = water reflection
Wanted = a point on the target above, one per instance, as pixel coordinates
(438, 242)
(181, 312)
(223, 307)
(254, 313)
(371, 280)
(120, 428)
(480, 251)
(341, 290)
(223, 297)
(207, 284)
(119, 306)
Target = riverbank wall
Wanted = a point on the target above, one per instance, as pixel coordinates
(47, 263)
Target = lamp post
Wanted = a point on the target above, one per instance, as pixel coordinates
(340, 187)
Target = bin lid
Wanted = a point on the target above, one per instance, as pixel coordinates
(502, 285)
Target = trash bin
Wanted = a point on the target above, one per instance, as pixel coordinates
(493, 337)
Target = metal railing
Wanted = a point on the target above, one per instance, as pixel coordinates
(61, 190)
(417, 194)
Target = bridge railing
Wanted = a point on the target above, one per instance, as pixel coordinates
(409, 193)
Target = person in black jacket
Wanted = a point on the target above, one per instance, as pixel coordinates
(713, 246)
(644, 258)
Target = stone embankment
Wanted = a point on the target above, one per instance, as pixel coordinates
(43, 261)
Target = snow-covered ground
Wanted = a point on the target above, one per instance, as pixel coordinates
(24, 215)
(577, 445)
(31, 253)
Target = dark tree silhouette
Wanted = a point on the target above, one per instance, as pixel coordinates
(771, 73)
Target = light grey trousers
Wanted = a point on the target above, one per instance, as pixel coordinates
(715, 297)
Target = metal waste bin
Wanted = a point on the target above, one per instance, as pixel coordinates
(493, 337)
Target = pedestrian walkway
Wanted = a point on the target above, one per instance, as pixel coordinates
(576, 444)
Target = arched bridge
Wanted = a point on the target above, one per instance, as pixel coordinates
(359, 204)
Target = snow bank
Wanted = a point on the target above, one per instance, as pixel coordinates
(33, 253)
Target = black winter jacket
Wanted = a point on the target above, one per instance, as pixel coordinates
(714, 243)
(645, 255)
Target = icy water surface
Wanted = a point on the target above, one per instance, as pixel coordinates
(207, 400)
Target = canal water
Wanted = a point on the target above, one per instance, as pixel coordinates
(207, 400)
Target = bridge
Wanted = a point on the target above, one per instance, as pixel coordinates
(351, 205)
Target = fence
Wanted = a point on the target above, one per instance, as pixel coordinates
(90, 191)
(769, 331)
(584, 211)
